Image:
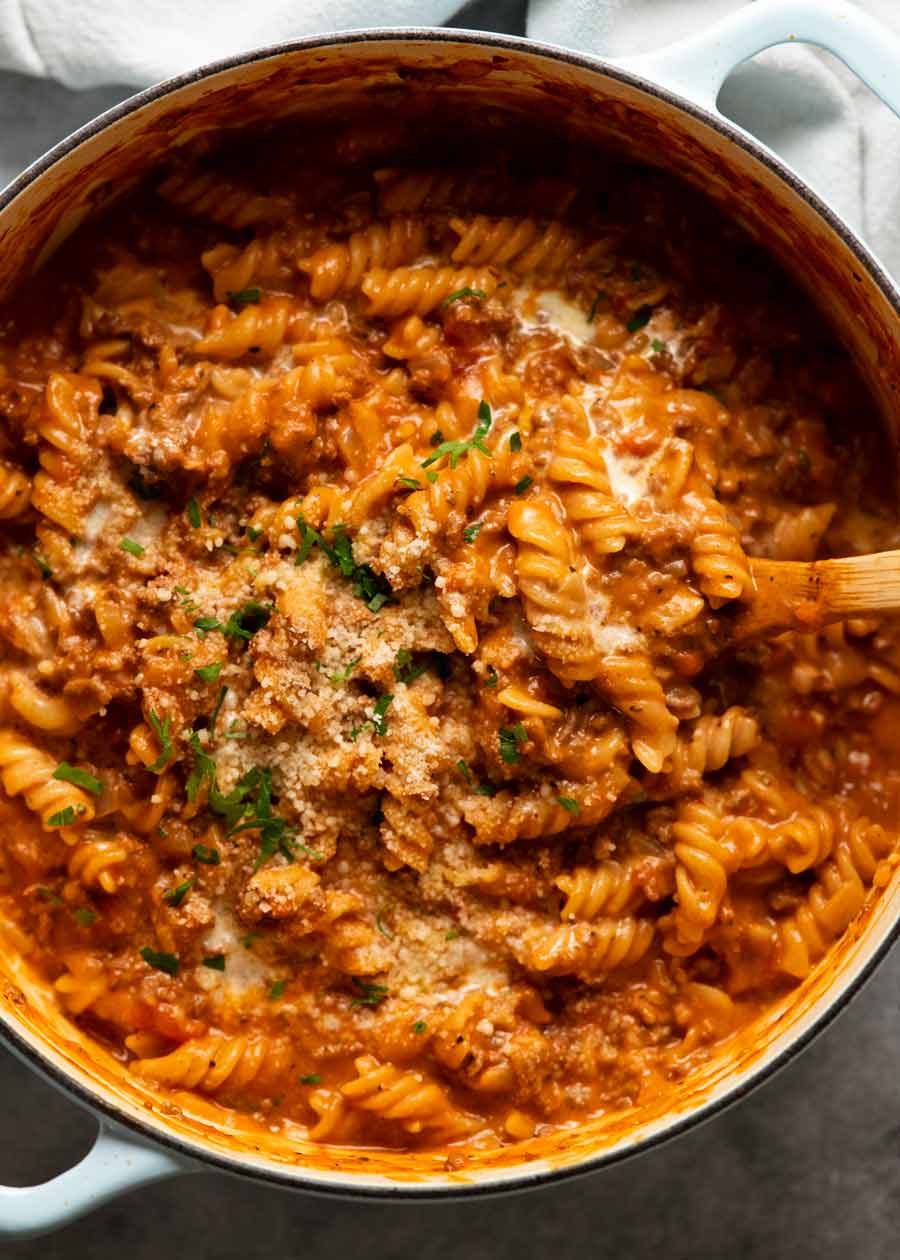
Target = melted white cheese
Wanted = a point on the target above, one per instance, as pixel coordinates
(243, 970)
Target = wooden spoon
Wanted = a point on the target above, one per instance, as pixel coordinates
(796, 595)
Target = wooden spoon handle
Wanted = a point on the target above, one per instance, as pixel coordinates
(790, 595)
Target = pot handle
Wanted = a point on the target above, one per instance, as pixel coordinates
(697, 67)
(116, 1163)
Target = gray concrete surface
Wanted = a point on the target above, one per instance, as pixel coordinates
(809, 1166)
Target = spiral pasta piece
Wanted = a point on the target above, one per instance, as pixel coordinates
(520, 245)
(101, 862)
(208, 195)
(711, 742)
(407, 1097)
(28, 771)
(420, 290)
(579, 472)
(717, 556)
(835, 899)
(608, 888)
(217, 1063)
(341, 266)
(586, 949)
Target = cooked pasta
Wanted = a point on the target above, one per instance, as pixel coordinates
(370, 761)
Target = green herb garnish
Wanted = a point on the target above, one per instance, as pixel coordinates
(600, 297)
(419, 1027)
(569, 804)
(276, 990)
(193, 513)
(470, 533)
(175, 896)
(162, 729)
(463, 293)
(368, 585)
(133, 548)
(83, 916)
(379, 719)
(64, 817)
(492, 677)
(244, 297)
(486, 789)
(247, 620)
(385, 932)
(311, 1078)
(43, 567)
(81, 778)
(404, 670)
(522, 486)
(515, 441)
(639, 319)
(370, 994)
(455, 449)
(657, 346)
(343, 675)
(409, 482)
(161, 961)
(215, 962)
(209, 673)
(511, 737)
(207, 855)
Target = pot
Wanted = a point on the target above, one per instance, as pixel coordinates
(661, 108)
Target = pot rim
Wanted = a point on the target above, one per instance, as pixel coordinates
(338, 1185)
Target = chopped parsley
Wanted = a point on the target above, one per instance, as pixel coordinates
(64, 817)
(379, 714)
(244, 297)
(160, 960)
(453, 935)
(600, 297)
(162, 729)
(277, 990)
(247, 941)
(569, 804)
(404, 669)
(43, 567)
(47, 894)
(436, 438)
(84, 916)
(455, 449)
(343, 675)
(214, 716)
(657, 346)
(492, 677)
(215, 962)
(479, 294)
(247, 620)
(419, 1027)
(385, 932)
(72, 774)
(803, 460)
(515, 441)
(486, 789)
(369, 994)
(410, 483)
(206, 854)
(523, 485)
(175, 896)
(639, 319)
(471, 532)
(311, 1078)
(193, 513)
(511, 737)
(209, 673)
(133, 548)
(464, 770)
(368, 585)
(253, 533)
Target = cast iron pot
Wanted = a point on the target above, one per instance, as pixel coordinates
(659, 108)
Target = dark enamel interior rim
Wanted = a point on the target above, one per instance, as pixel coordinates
(755, 1076)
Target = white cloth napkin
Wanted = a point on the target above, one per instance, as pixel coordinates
(800, 101)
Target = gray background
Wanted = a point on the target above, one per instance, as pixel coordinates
(808, 1166)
